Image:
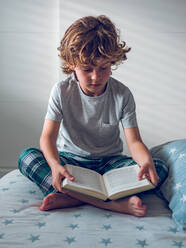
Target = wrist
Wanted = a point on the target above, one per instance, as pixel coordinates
(54, 165)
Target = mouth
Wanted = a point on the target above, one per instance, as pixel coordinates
(95, 85)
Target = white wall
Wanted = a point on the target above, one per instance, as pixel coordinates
(155, 70)
(28, 69)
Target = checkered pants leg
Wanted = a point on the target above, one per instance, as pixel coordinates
(33, 165)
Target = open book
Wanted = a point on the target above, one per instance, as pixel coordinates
(114, 184)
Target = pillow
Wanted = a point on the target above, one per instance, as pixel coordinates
(173, 189)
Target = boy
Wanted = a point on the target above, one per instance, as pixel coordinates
(82, 121)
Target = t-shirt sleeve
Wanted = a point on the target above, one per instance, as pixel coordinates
(54, 110)
(128, 118)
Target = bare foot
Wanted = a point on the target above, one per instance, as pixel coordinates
(130, 205)
(58, 200)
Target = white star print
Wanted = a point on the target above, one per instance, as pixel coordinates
(183, 199)
(172, 150)
(182, 155)
(178, 185)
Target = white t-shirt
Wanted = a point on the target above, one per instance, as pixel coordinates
(90, 125)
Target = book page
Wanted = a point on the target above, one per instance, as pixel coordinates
(85, 178)
(123, 179)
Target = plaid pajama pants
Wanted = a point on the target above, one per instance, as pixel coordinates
(33, 165)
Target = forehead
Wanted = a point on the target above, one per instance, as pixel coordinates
(98, 63)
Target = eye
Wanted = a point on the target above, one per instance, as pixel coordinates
(87, 69)
(103, 68)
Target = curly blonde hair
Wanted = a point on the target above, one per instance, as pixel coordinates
(87, 40)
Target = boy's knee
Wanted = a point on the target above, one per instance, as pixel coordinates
(27, 156)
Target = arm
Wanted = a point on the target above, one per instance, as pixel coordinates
(48, 147)
(140, 154)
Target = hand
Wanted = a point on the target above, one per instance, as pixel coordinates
(148, 171)
(58, 174)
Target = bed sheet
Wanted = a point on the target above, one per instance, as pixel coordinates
(22, 224)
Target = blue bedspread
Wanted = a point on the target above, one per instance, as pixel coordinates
(22, 224)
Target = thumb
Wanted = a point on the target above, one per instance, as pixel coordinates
(67, 175)
(141, 173)
(154, 177)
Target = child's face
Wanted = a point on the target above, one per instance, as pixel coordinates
(93, 79)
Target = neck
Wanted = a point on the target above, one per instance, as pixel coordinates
(93, 94)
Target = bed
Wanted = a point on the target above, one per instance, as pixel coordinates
(22, 224)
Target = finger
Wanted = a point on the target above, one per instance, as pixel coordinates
(57, 181)
(153, 176)
(59, 177)
(141, 173)
(57, 186)
(67, 175)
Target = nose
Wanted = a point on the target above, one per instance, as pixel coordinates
(95, 75)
